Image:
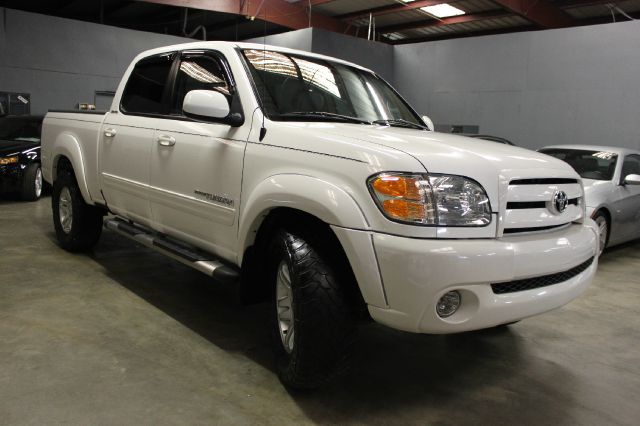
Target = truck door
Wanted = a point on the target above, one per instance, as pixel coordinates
(127, 135)
(196, 167)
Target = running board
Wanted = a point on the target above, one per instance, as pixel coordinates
(190, 256)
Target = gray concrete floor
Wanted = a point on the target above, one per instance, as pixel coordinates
(126, 336)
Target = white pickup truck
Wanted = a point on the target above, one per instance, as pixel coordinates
(310, 182)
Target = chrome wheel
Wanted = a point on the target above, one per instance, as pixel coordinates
(38, 183)
(603, 229)
(284, 306)
(65, 210)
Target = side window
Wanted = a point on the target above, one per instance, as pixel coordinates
(631, 165)
(198, 73)
(145, 88)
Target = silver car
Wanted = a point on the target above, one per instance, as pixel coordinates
(611, 178)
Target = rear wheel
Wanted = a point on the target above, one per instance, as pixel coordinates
(32, 183)
(313, 323)
(603, 229)
(78, 225)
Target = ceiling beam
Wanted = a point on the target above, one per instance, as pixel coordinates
(568, 4)
(540, 12)
(393, 8)
(443, 21)
(281, 12)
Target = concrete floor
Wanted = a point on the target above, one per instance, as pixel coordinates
(126, 336)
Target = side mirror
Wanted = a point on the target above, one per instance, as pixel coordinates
(428, 122)
(631, 179)
(211, 106)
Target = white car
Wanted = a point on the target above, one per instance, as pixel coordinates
(611, 178)
(309, 181)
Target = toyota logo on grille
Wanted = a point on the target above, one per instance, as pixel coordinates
(560, 201)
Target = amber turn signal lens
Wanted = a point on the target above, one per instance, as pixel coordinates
(404, 210)
(397, 186)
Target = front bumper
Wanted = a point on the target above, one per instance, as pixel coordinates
(11, 177)
(417, 272)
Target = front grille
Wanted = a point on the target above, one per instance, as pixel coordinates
(543, 181)
(532, 229)
(543, 281)
(534, 204)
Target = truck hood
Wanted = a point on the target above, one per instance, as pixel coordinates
(454, 154)
(492, 164)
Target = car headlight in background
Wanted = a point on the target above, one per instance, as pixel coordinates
(443, 200)
(8, 160)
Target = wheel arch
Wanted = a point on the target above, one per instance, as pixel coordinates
(66, 147)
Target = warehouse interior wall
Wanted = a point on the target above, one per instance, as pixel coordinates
(566, 86)
(63, 62)
(575, 85)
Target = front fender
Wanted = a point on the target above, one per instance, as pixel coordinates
(67, 145)
(328, 203)
(319, 198)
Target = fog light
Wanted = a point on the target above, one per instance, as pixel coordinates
(448, 304)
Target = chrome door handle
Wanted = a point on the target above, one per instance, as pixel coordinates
(110, 132)
(166, 140)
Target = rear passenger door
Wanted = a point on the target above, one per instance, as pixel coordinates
(196, 166)
(127, 135)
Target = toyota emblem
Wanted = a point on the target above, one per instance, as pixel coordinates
(560, 201)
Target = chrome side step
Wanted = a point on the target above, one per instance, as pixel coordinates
(190, 256)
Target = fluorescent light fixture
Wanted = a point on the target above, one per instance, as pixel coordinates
(407, 1)
(443, 10)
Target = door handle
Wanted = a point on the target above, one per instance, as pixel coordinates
(166, 140)
(109, 132)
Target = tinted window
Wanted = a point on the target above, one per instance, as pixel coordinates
(145, 88)
(631, 165)
(198, 73)
(597, 165)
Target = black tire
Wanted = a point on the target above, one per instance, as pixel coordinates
(32, 183)
(324, 324)
(602, 220)
(85, 227)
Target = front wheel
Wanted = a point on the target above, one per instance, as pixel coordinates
(603, 230)
(32, 183)
(78, 225)
(313, 324)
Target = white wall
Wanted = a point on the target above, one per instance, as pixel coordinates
(575, 85)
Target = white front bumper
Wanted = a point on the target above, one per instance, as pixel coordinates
(417, 272)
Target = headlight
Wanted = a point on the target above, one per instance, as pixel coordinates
(8, 160)
(443, 200)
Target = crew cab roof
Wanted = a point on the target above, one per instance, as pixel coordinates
(222, 45)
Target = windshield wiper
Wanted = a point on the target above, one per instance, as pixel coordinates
(399, 122)
(323, 114)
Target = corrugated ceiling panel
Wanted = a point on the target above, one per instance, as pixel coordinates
(603, 10)
(474, 6)
(340, 7)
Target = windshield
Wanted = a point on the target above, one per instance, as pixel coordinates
(597, 165)
(22, 129)
(293, 87)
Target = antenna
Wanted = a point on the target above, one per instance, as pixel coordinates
(263, 130)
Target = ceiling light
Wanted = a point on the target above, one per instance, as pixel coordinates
(443, 10)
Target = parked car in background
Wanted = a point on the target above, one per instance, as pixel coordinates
(488, 138)
(20, 170)
(611, 178)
